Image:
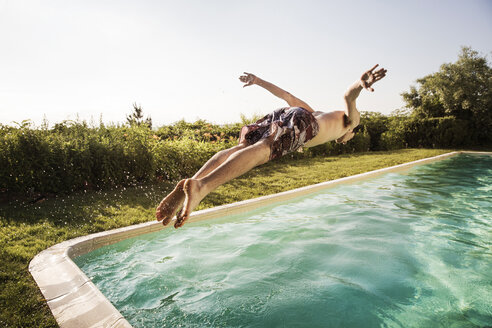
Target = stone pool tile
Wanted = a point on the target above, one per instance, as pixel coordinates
(114, 236)
(80, 248)
(59, 279)
(49, 257)
(156, 226)
(86, 307)
(208, 213)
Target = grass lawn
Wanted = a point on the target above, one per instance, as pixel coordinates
(26, 229)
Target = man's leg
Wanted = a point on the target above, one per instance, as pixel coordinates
(240, 162)
(217, 160)
(171, 203)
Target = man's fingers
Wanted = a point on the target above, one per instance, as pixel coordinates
(381, 71)
(373, 68)
(380, 76)
(248, 79)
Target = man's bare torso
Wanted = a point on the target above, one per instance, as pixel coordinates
(331, 127)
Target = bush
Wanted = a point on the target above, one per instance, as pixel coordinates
(177, 159)
(73, 156)
(200, 130)
(376, 124)
(439, 132)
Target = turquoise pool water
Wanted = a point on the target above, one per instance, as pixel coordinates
(409, 249)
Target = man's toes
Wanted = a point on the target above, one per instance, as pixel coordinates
(179, 222)
(166, 221)
(180, 219)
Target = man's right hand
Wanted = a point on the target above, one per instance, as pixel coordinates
(248, 79)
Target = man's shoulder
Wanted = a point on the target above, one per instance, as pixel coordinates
(336, 114)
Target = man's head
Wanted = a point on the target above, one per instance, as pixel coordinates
(346, 137)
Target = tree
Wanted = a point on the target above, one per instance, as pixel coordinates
(462, 89)
(375, 124)
(136, 117)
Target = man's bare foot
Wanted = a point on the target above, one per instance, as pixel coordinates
(193, 196)
(170, 204)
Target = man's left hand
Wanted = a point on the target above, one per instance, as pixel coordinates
(369, 78)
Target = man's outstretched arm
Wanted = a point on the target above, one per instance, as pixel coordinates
(366, 81)
(250, 79)
(350, 107)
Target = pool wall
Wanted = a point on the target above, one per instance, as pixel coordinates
(76, 302)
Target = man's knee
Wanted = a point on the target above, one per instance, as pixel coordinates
(240, 146)
(260, 150)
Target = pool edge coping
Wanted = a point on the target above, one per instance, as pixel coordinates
(74, 299)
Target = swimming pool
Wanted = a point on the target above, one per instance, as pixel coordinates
(405, 249)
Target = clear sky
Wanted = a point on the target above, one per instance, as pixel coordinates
(182, 59)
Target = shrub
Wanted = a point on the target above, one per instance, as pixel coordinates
(428, 132)
(176, 159)
(73, 156)
(376, 124)
(200, 130)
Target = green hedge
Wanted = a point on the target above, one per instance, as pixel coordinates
(74, 156)
(440, 132)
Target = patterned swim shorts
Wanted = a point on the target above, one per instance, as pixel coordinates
(292, 127)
